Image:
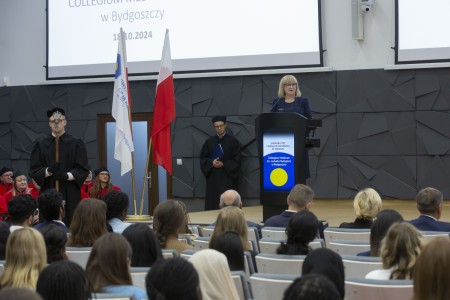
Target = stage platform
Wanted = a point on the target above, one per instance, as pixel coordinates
(333, 211)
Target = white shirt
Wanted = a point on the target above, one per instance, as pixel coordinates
(382, 274)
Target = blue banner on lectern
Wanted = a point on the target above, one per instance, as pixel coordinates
(278, 161)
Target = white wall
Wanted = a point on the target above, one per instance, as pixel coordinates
(23, 38)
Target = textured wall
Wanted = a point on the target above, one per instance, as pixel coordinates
(385, 129)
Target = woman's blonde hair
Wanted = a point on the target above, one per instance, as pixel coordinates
(25, 258)
(88, 223)
(288, 79)
(367, 204)
(231, 218)
(400, 248)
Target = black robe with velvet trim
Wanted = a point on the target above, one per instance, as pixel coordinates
(72, 158)
(218, 180)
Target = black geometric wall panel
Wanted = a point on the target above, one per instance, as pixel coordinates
(389, 130)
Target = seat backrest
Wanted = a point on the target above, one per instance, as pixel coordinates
(248, 262)
(253, 236)
(242, 285)
(359, 266)
(348, 234)
(349, 247)
(374, 289)
(429, 235)
(274, 233)
(279, 263)
(201, 243)
(2, 267)
(138, 275)
(270, 286)
(196, 229)
(267, 245)
(317, 243)
(186, 254)
(169, 253)
(207, 231)
(80, 255)
(113, 296)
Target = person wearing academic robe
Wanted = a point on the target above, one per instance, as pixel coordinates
(69, 172)
(102, 184)
(289, 100)
(6, 182)
(220, 161)
(86, 186)
(20, 183)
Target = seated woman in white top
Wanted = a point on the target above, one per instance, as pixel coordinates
(399, 250)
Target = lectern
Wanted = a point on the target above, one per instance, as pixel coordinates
(283, 140)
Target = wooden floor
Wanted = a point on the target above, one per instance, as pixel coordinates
(334, 211)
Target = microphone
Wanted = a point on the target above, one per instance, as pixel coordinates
(275, 104)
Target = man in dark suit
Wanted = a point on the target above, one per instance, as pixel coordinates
(51, 208)
(429, 204)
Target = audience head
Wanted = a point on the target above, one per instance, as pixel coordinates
(117, 205)
(429, 202)
(400, 248)
(6, 176)
(300, 197)
(431, 274)
(380, 226)
(167, 220)
(327, 263)
(232, 218)
(19, 294)
(145, 245)
(4, 235)
(367, 204)
(302, 229)
(102, 180)
(288, 79)
(108, 263)
(230, 198)
(173, 279)
(20, 181)
(21, 209)
(230, 244)
(215, 277)
(25, 258)
(63, 280)
(312, 286)
(55, 241)
(51, 205)
(88, 223)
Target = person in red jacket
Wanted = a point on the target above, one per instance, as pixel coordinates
(6, 181)
(86, 186)
(102, 184)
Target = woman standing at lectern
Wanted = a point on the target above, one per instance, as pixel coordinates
(289, 100)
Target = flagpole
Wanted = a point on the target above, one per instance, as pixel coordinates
(145, 175)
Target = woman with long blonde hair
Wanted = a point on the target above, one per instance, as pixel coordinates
(25, 258)
(231, 218)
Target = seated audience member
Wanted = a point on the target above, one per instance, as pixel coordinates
(232, 198)
(300, 231)
(108, 266)
(87, 184)
(117, 210)
(173, 279)
(88, 223)
(311, 286)
(25, 258)
(215, 276)
(4, 235)
(63, 280)
(231, 219)
(367, 204)
(51, 209)
(102, 184)
(328, 263)
(399, 250)
(429, 204)
(6, 181)
(230, 244)
(380, 226)
(55, 241)
(431, 275)
(184, 231)
(20, 186)
(167, 221)
(19, 294)
(145, 245)
(23, 211)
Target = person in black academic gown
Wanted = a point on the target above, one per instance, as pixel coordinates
(220, 160)
(69, 173)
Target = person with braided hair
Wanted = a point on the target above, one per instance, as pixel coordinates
(301, 230)
(167, 221)
(173, 279)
